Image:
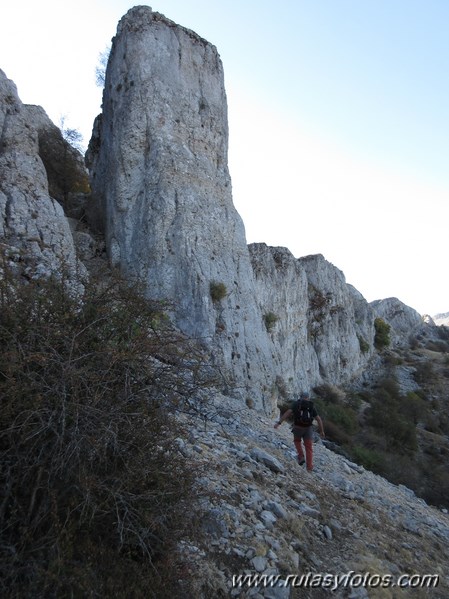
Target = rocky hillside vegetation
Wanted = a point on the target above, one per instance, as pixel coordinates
(397, 425)
(117, 448)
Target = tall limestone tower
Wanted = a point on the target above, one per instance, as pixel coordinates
(162, 195)
(160, 178)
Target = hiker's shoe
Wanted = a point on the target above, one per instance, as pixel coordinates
(301, 461)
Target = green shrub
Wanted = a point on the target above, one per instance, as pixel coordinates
(436, 492)
(343, 416)
(270, 319)
(388, 386)
(382, 333)
(424, 372)
(371, 459)
(389, 421)
(95, 490)
(414, 408)
(330, 393)
(218, 291)
(364, 345)
(392, 359)
(336, 433)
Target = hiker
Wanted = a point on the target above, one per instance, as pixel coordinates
(304, 413)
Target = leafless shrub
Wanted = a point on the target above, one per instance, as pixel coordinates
(95, 491)
(336, 433)
(330, 393)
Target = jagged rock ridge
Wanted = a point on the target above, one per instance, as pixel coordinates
(442, 319)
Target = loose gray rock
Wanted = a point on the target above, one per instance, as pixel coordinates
(259, 563)
(268, 518)
(277, 509)
(268, 460)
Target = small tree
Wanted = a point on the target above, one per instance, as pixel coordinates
(382, 333)
(100, 69)
(73, 137)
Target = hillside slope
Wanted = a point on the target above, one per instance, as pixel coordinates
(268, 515)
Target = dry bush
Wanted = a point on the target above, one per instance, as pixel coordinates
(424, 372)
(336, 433)
(95, 491)
(330, 393)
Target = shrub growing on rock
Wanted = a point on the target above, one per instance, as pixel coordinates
(270, 319)
(218, 291)
(382, 333)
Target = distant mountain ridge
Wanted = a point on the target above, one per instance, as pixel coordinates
(441, 319)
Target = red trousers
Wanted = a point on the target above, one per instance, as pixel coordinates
(304, 434)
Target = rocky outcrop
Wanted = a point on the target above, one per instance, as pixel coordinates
(320, 327)
(403, 320)
(161, 182)
(271, 324)
(162, 190)
(34, 232)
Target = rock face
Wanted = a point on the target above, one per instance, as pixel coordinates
(34, 232)
(321, 323)
(403, 320)
(160, 180)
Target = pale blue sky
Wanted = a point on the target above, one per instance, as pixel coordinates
(338, 114)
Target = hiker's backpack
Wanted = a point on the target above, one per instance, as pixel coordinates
(303, 412)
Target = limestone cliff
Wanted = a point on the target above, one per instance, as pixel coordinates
(321, 327)
(160, 178)
(403, 320)
(34, 232)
